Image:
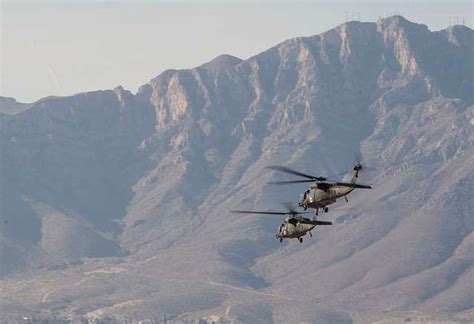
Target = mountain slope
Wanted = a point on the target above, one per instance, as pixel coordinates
(150, 179)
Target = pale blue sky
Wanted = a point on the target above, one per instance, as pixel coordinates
(65, 47)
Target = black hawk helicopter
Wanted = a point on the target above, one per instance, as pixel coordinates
(293, 226)
(322, 192)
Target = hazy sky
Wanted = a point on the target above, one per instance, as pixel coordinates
(65, 47)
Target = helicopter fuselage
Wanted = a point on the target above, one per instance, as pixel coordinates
(291, 228)
(321, 195)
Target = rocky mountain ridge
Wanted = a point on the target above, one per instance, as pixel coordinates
(127, 196)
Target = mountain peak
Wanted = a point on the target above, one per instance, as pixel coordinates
(220, 62)
(459, 35)
(396, 22)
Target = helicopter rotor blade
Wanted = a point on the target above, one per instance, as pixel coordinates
(267, 212)
(289, 182)
(294, 172)
(256, 212)
(315, 222)
(353, 185)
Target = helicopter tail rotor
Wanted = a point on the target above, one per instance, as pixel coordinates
(360, 165)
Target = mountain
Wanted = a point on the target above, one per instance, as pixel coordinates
(116, 206)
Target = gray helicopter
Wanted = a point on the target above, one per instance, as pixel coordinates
(293, 226)
(322, 192)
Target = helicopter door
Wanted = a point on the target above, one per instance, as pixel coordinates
(281, 230)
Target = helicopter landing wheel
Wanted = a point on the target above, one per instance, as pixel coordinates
(317, 211)
(310, 235)
(300, 239)
(326, 209)
(281, 240)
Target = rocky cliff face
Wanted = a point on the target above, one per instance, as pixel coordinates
(129, 194)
